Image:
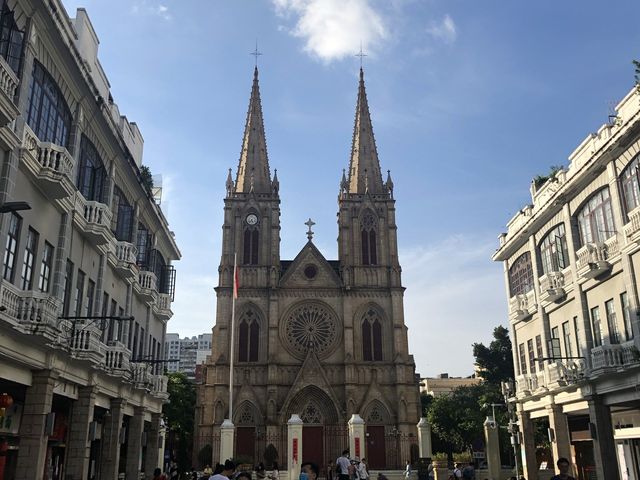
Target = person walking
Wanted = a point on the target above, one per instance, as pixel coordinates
(407, 471)
(363, 470)
(342, 465)
(563, 466)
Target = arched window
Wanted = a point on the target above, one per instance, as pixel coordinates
(595, 218)
(630, 184)
(521, 275)
(371, 337)
(91, 172)
(143, 244)
(368, 239)
(553, 250)
(123, 213)
(48, 114)
(248, 337)
(11, 39)
(251, 243)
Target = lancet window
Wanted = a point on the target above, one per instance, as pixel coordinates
(368, 238)
(248, 337)
(371, 337)
(91, 172)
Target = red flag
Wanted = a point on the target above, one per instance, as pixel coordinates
(236, 282)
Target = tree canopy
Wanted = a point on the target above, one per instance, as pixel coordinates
(179, 414)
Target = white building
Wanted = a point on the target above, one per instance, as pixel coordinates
(187, 352)
(87, 280)
(571, 265)
(443, 384)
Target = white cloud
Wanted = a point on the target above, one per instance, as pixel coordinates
(150, 8)
(334, 29)
(444, 31)
(455, 296)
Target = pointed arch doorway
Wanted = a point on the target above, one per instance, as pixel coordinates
(320, 417)
(376, 417)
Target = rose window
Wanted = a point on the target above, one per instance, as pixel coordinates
(310, 326)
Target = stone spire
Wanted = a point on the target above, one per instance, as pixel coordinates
(253, 168)
(364, 168)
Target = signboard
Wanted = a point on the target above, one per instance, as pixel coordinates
(295, 450)
(10, 421)
(357, 442)
(479, 455)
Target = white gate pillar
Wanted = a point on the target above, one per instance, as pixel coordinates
(357, 436)
(424, 438)
(227, 434)
(294, 446)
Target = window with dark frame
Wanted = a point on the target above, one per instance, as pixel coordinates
(630, 185)
(92, 176)
(532, 356)
(123, 217)
(523, 359)
(11, 39)
(595, 218)
(250, 245)
(576, 329)
(371, 337)
(91, 289)
(553, 250)
(13, 235)
(47, 114)
(30, 249)
(79, 296)
(596, 329)
(68, 278)
(248, 337)
(521, 275)
(539, 351)
(45, 267)
(628, 328)
(143, 243)
(612, 322)
(566, 337)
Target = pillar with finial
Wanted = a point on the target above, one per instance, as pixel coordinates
(275, 184)
(229, 184)
(389, 184)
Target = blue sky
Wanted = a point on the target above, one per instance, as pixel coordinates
(470, 99)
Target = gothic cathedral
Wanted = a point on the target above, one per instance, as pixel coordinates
(324, 339)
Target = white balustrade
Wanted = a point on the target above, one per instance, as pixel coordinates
(148, 280)
(117, 356)
(633, 227)
(29, 308)
(50, 157)
(614, 356)
(125, 252)
(8, 79)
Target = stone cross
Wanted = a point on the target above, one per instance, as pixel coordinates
(256, 53)
(361, 54)
(310, 223)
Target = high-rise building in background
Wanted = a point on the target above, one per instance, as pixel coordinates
(571, 264)
(87, 276)
(322, 339)
(186, 354)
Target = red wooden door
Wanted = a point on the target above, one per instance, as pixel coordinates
(313, 445)
(246, 442)
(376, 454)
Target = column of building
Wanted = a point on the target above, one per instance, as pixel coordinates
(79, 443)
(110, 455)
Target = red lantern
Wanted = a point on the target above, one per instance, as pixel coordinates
(6, 400)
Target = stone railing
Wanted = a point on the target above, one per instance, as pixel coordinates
(140, 374)
(94, 218)
(561, 374)
(614, 356)
(49, 155)
(125, 253)
(8, 79)
(116, 356)
(36, 312)
(552, 281)
(158, 384)
(632, 229)
(522, 306)
(164, 301)
(595, 258)
(148, 280)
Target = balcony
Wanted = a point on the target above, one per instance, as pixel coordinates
(632, 229)
(33, 312)
(123, 258)
(116, 358)
(553, 377)
(595, 259)
(84, 341)
(158, 386)
(616, 357)
(148, 285)
(50, 166)
(522, 306)
(162, 307)
(8, 84)
(94, 219)
(552, 286)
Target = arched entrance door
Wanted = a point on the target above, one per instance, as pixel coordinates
(376, 417)
(246, 419)
(320, 417)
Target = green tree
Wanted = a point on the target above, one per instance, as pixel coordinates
(146, 178)
(495, 362)
(179, 413)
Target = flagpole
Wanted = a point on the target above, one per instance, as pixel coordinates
(233, 329)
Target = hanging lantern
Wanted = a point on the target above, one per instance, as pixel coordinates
(6, 401)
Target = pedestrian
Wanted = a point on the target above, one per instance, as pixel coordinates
(430, 473)
(563, 466)
(223, 472)
(468, 472)
(457, 473)
(157, 475)
(363, 470)
(173, 471)
(330, 471)
(208, 471)
(342, 465)
(275, 471)
(260, 473)
(407, 471)
(310, 470)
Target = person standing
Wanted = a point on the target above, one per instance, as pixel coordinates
(457, 473)
(363, 470)
(342, 465)
(407, 471)
(468, 472)
(563, 466)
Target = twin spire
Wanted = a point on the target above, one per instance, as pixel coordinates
(253, 173)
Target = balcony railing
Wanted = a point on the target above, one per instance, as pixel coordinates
(158, 385)
(116, 357)
(616, 357)
(148, 283)
(84, 341)
(162, 307)
(49, 164)
(34, 312)
(552, 286)
(632, 229)
(594, 259)
(554, 376)
(123, 257)
(522, 306)
(94, 219)
(8, 85)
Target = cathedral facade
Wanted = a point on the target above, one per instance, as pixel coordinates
(323, 339)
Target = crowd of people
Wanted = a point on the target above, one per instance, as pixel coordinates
(345, 468)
